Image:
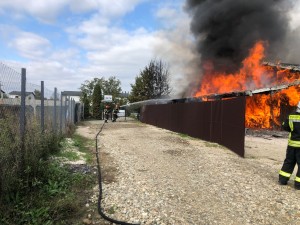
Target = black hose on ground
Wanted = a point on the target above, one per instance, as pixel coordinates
(101, 213)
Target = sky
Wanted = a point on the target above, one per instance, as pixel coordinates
(65, 42)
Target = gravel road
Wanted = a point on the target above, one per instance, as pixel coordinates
(162, 177)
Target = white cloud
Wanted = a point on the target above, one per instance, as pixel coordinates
(47, 11)
(124, 61)
(111, 50)
(106, 8)
(54, 73)
(30, 45)
(101, 47)
(96, 33)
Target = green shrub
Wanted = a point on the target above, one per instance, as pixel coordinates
(23, 160)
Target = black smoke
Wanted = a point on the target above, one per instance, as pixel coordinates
(225, 30)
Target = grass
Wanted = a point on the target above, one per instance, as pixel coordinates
(55, 200)
(48, 192)
(213, 145)
(183, 135)
(112, 209)
(84, 145)
(72, 147)
(207, 144)
(71, 156)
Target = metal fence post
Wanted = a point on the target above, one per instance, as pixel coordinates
(66, 109)
(72, 111)
(42, 107)
(54, 110)
(23, 104)
(82, 106)
(61, 112)
(23, 118)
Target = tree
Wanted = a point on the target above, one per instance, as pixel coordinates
(138, 91)
(161, 79)
(152, 83)
(97, 97)
(112, 87)
(38, 95)
(88, 87)
(86, 103)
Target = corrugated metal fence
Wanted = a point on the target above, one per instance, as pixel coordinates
(220, 121)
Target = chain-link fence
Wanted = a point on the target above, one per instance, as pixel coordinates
(52, 110)
(32, 120)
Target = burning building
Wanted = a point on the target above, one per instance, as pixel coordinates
(233, 39)
(235, 85)
(273, 89)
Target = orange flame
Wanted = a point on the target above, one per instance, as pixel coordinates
(262, 111)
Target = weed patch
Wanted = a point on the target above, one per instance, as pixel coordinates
(34, 189)
(213, 145)
(55, 200)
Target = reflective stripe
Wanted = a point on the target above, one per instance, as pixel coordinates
(284, 174)
(294, 117)
(297, 179)
(291, 125)
(294, 143)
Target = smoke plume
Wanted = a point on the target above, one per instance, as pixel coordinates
(225, 30)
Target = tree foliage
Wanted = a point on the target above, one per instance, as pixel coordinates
(87, 88)
(92, 96)
(38, 95)
(97, 97)
(112, 86)
(151, 83)
(86, 103)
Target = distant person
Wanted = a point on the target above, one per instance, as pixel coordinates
(292, 125)
(115, 113)
(107, 111)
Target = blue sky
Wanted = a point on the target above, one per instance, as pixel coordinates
(65, 42)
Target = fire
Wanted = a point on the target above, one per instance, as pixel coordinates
(262, 110)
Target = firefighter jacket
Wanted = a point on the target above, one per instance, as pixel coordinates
(292, 125)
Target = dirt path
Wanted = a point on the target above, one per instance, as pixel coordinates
(161, 177)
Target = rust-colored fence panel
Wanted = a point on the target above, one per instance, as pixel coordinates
(221, 121)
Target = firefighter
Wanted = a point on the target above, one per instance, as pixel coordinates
(107, 111)
(292, 125)
(115, 113)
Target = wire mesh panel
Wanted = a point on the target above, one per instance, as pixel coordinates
(10, 88)
(47, 108)
(11, 163)
(32, 119)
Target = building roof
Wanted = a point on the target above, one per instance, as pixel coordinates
(2, 91)
(19, 93)
(294, 67)
(71, 93)
(238, 93)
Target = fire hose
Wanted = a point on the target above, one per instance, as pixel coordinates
(101, 213)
